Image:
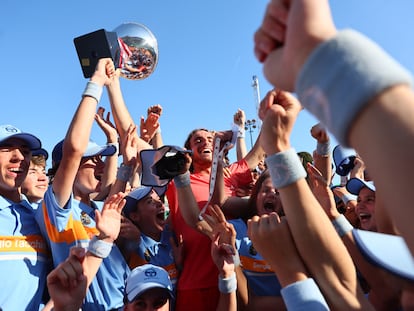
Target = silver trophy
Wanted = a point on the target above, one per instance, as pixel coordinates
(132, 47)
(139, 51)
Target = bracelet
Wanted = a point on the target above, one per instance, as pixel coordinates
(285, 168)
(342, 225)
(182, 180)
(99, 248)
(349, 59)
(348, 197)
(124, 173)
(323, 149)
(116, 145)
(227, 285)
(236, 259)
(94, 90)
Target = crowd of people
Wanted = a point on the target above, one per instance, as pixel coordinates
(270, 231)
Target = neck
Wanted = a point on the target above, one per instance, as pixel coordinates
(12, 195)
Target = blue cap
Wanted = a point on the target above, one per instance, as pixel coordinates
(138, 194)
(9, 131)
(93, 149)
(354, 185)
(386, 251)
(41, 152)
(343, 159)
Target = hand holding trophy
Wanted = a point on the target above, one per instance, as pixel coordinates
(132, 47)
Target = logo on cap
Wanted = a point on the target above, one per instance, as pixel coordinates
(11, 129)
(151, 273)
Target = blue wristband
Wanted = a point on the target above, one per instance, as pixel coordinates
(285, 168)
(342, 75)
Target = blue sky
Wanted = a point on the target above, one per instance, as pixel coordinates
(205, 67)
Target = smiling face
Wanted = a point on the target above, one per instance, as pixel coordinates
(14, 164)
(36, 182)
(365, 209)
(201, 144)
(268, 199)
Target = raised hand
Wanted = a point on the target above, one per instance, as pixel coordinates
(290, 31)
(278, 110)
(108, 221)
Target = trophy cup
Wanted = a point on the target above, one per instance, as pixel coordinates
(132, 47)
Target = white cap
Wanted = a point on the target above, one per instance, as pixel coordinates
(145, 277)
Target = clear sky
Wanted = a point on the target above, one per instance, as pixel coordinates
(205, 67)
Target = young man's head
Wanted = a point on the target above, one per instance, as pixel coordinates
(148, 287)
(90, 169)
(36, 182)
(200, 142)
(146, 210)
(15, 154)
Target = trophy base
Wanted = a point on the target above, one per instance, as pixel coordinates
(96, 45)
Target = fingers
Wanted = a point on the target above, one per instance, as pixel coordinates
(271, 34)
(69, 272)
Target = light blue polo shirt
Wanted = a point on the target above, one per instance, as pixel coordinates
(24, 257)
(74, 224)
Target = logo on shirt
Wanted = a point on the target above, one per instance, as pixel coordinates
(85, 219)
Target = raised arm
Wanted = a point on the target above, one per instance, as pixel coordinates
(77, 136)
(111, 162)
(301, 41)
(316, 240)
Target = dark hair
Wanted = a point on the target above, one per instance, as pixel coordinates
(187, 141)
(187, 144)
(252, 208)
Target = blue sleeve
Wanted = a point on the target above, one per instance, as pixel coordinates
(304, 296)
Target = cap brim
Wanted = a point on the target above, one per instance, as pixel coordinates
(386, 251)
(32, 141)
(42, 152)
(354, 186)
(138, 291)
(106, 150)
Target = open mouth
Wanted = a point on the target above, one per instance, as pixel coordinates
(269, 206)
(364, 217)
(161, 215)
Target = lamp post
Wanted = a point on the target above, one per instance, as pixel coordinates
(250, 125)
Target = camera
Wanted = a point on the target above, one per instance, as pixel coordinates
(170, 165)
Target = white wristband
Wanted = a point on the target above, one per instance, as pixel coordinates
(342, 75)
(323, 149)
(227, 285)
(285, 168)
(342, 225)
(99, 248)
(94, 90)
(182, 180)
(124, 173)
